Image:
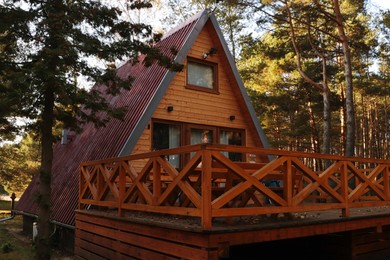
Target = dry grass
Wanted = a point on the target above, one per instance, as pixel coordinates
(14, 244)
(5, 205)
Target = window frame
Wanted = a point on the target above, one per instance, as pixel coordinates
(185, 136)
(238, 130)
(189, 126)
(214, 67)
(167, 122)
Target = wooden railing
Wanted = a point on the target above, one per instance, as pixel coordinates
(209, 185)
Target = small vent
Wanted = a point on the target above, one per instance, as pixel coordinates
(64, 138)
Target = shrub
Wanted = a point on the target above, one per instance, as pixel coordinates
(7, 247)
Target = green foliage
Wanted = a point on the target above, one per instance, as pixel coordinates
(47, 46)
(59, 41)
(7, 247)
(3, 191)
(291, 111)
(5, 205)
(18, 163)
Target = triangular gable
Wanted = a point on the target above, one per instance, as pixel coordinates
(201, 20)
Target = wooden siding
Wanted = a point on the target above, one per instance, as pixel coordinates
(198, 107)
(118, 239)
(101, 236)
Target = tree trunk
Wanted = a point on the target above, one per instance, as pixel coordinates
(342, 121)
(349, 103)
(326, 124)
(327, 113)
(314, 136)
(323, 86)
(44, 188)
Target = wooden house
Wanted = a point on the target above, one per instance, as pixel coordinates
(205, 102)
(183, 175)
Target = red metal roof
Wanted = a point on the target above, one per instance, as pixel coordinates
(93, 143)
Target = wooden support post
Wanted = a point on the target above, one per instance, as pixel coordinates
(224, 249)
(379, 228)
(206, 190)
(13, 197)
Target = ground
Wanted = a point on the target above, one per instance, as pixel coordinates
(14, 244)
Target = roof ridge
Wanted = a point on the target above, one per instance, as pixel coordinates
(182, 25)
(167, 34)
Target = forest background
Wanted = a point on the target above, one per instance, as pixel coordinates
(285, 76)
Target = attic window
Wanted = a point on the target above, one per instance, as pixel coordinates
(202, 75)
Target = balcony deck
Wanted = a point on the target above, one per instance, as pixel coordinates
(211, 186)
(227, 203)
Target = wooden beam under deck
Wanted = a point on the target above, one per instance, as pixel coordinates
(152, 236)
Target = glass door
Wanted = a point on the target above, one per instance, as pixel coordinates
(232, 137)
(167, 136)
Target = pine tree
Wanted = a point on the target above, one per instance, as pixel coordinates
(331, 28)
(47, 46)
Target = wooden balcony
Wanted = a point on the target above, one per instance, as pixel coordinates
(210, 186)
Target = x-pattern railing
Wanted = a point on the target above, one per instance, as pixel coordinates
(209, 185)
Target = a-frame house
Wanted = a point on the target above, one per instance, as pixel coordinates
(183, 175)
(207, 100)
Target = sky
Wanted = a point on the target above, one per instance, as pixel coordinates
(384, 4)
(374, 5)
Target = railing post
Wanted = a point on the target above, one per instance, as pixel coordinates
(100, 182)
(156, 181)
(80, 186)
(344, 189)
(288, 182)
(386, 182)
(206, 217)
(122, 188)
